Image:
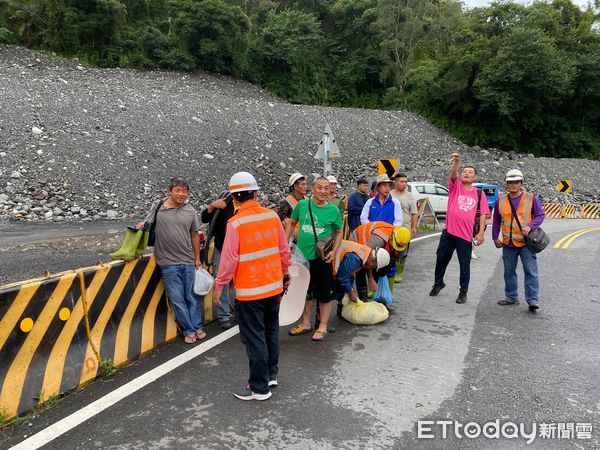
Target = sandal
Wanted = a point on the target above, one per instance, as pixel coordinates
(298, 330)
(319, 335)
(190, 339)
(200, 334)
(330, 329)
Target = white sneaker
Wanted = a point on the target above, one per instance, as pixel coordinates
(247, 394)
(273, 382)
(474, 256)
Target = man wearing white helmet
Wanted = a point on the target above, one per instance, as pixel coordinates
(256, 256)
(352, 257)
(525, 208)
(298, 187)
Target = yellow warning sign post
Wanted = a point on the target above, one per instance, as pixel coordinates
(387, 166)
(564, 186)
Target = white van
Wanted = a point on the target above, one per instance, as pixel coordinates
(438, 194)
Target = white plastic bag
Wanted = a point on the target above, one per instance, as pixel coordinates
(203, 282)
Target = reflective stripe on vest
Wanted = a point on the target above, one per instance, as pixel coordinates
(252, 292)
(380, 229)
(508, 224)
(259, 272)
(292, 201)
(362, 251)
(241, 219)
(260, 254)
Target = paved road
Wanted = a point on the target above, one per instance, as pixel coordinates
(366, 387)
(28, 250)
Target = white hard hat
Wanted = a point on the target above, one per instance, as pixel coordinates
(295, 177)
(332, 179)
(383, 258)
(514, 175)
(242, 181)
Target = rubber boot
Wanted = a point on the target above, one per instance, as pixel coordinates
(391, 284)
(129, 247)
(141, 247)
(399, 273)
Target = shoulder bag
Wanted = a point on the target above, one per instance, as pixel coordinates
(323, 246)
(206, 256)
(537, 240)
(152, 229)
(476, 225)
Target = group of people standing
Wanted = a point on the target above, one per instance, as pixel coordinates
(253, 248)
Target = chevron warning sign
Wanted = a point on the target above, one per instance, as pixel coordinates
(387, 166)
(564, 186)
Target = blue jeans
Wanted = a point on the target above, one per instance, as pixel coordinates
(179, 282)
(228, 294)
(510, 257)
(259, 332)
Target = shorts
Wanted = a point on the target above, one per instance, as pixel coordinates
(322, 284)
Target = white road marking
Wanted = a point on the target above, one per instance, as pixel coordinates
(61, 427)
(68, 423)
(425, 237)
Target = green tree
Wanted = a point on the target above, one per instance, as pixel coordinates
(287, 58)
(214, 33)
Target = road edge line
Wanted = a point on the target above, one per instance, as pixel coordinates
(75, 419)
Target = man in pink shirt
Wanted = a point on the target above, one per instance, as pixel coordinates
(465, 202)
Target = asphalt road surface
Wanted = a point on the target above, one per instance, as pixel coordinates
(368, 387)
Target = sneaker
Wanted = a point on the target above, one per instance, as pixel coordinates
(248, 394)
(435, 290)
(508, 301)
(462, 298)
(273, 382)
(474, 256)
(226, 324)
(534, 306)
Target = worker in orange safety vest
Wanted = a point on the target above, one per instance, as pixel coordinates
(256, 256)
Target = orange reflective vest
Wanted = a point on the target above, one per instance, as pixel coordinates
(383, 230)
(292, 201)
(259, 273)
(362, 251)
(508, 225)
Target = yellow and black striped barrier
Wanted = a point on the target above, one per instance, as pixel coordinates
(567, 240)
(552, 210)
(569, 212)
(55, 332)
(590, 211)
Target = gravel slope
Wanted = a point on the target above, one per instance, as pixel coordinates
(81, 144)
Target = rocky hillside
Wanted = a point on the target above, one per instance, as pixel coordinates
(84, 144)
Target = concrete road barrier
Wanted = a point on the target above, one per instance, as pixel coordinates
(61, 332)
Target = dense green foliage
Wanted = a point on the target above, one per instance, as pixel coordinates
(523, 78)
